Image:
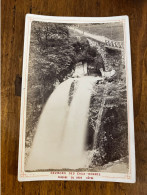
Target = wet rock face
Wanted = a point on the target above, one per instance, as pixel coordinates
(112, 136)
(111, 97)
(95, 105)
(72, 90)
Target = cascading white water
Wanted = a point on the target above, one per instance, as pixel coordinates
(61, 133)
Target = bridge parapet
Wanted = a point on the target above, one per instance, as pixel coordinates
(96, 39)
(114, 44)
(108, 43)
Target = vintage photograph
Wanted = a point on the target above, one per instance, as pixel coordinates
(76, 110)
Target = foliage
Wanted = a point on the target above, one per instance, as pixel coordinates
(86, 53)
(112, 137)
(53, 55)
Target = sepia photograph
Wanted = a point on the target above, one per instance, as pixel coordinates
(74, 97)
(76, 114)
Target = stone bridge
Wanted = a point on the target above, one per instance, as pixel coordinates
(114, 44)
(96, 39)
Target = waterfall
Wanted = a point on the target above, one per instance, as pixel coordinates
(76, 126)
(61, 133)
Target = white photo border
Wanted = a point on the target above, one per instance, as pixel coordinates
(130, 177)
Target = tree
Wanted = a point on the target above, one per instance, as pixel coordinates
(53, 55)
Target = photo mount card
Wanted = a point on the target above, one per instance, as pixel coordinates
(76, 119)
